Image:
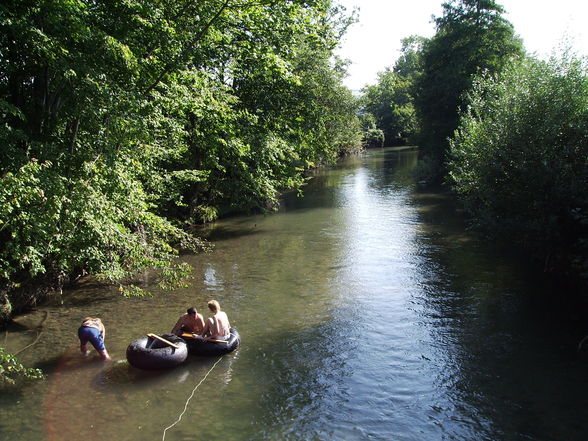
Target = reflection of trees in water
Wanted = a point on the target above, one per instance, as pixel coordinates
(394, 170)
(505, 373)
(385, 167)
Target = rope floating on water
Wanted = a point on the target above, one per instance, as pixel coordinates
(188, 400)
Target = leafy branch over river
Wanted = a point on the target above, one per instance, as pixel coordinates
(123, 123)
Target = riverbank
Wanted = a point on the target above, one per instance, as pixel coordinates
(23, 298)
(17, 298)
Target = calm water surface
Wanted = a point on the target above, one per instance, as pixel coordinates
(366, 313)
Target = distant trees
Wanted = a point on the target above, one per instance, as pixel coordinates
(372, 136)
(472, 37)
(519, 159)
(409, 63)
(422, 95)
(390, 100)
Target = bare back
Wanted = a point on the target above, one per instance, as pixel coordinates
(218, 325)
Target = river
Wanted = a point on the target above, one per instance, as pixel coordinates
(366, 312)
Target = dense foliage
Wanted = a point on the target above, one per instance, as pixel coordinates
(472, 37)
(123, 122)
(372, 135)
(520, 158)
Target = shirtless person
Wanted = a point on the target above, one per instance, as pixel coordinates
(218, 326)
(190, 322)
(92, 330)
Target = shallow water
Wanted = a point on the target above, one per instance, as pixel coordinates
(366, 313)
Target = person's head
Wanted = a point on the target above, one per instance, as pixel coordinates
(214, 306)
(191, 311)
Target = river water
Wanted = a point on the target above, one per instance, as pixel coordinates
(366, 313)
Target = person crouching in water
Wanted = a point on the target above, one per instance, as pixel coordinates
(93, 331)
(218, 326)
(190, 322)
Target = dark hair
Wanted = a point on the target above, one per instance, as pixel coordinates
(191, 310)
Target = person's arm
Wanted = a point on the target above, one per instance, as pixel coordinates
(201, 324)
(207, 325)
(177, 326)
(228, 323)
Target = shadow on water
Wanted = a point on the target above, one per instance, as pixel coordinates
(88, 293)
(122, 375)
(215, 233)
(71, 360)
(510, 359)
(319, 193)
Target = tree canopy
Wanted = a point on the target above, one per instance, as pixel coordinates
(124, 122)
(390, 102)
(472, 37)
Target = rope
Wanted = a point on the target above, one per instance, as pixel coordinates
(188, 400)
(40, 325)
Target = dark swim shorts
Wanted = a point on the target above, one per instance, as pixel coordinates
(92, 335)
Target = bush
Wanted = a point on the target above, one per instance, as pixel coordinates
(519, 157)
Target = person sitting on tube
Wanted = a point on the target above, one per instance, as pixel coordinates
(191, 322)
(217, 327)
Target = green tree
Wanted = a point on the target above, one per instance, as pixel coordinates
(472, 37)
(273, 106)
(372, 136)
(82, 128)
(519, 159)
(120, 121)
(390, 102)
(409, 63)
